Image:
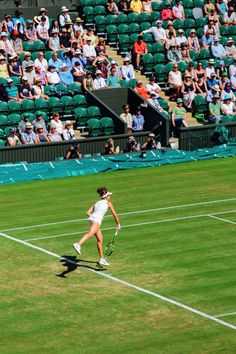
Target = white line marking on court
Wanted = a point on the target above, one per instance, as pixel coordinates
(226, 314)
(221, 219)
(122, 214)
(117, 280)
(132, 225)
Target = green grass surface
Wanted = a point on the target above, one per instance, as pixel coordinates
(190, 260)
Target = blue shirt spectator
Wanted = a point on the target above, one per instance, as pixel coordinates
(66, 75)
(207, 40)
(217, 49)
(54, 61)
(137, 121)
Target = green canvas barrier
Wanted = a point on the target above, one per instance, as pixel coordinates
(22, 172)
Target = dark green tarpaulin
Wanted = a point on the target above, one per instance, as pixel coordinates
(21, 172)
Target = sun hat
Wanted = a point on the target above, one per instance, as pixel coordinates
(78, 51)
(192, 31)
(216, 88)
(151, 135)
(24, 78)
(64, 65)
(213, 74)
(227, 97)
(98, 72)
(159, 21)
(126, 59)
(27, 54)
(9, 80)
(2, 57)
(181, 30)
(3, 34)
(54, 31)
(216, 39)
(113, 62)
(88, 38)
(68, 122)
(64, 8)
(64, 30)
(42, 9)
(69, 22)
(78, 19)
(28, 125)
(53, 126)
(211, 61)
(153, 93)
(230, 40)
(179, 100)
(132, 138)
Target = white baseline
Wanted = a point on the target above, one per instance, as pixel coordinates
(125, 213)
(117, 280)
(226, 314)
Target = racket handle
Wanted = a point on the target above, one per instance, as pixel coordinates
(116, 233)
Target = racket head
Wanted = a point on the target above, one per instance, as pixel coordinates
(109, 248)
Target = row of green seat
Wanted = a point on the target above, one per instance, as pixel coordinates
(99, 127)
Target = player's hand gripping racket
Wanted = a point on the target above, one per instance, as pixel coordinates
(111, 245)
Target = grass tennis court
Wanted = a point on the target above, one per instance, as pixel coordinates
(177, 244)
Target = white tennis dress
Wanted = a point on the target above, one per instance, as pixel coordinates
(99, 211)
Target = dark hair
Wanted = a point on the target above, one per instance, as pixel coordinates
(102, 191)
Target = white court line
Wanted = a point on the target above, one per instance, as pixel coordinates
(126, 213)
(132, 225)
(117, 280)
(226, 314)
(221, 219)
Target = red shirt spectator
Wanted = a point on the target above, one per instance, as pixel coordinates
(167, 13)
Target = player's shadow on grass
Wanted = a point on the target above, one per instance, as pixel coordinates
(72, 263)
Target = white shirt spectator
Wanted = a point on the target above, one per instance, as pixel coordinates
(53, 78)
(63, 18)
(158, 33)
(68, 134)
(128, 72)
(209, 71)
(232, 70)
(180, 40)
(99, 83)
(89, 51)
(58, 124)
(42, 31)
(43, 64)
(152, 87)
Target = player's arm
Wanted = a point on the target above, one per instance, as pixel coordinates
(110, 206)
(89, 212)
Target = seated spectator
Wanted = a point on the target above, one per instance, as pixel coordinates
(73, 152)
(30, 73)
(139, 49)
(175, 79)
(43, 13)
(89, 51)
(24, 120)
(137, 121)
(210, 68)
(221, 69)
(184, 52)
(68, 132)
(212, 81)
(223, 80)
(228, 107)
(158, 32)
(201, 86)
(150, 144)
(3, 67)
(227, 91)
(113, 65)
(42, 30)
(170, 30)
(42, 75)
(14, 66)
(229, 17)
(65, 75)
(31, 32)
(208, 7)
(136, 6)
(16, 42)
(221, 7)
(152, 86)
(25, 90)
(88, 83)
(54, 26)
(113, 80)
(80, 58)
(178, 11)
(101, 46)
(8, 49)
(215, 109)
(141, 90)
(101, 65)
(173, 55)
(54, 41)
(233, 83)
(64, 16)
(193, 42)
(55, 62)
(147, 6)
(188, 91)
(153, 101)
(12, 91)
(28, 135)
(230, 47)
(190, 70)
(112, 8)
(127, 70)
(207, 40)
(3, 93)
(39, 121)
(65, 39)
(200, 71)
(167, 13)
(217, 49)
(99, 81)
(57, 122)
(211, 92)
(78, 25)
(210, 28)
(132, 145)
(170, 41)
(13, 139)
(41, 62)
(53, 134)
(124, 7)
(109, 148)
(127, 118)
(217, 27)
(90, 36)
(77, 41)
(38, 89)
(214, 16)
(180, 38)
(178, 114)
(232, 68)
(78, 72)
(27, 60)
(41, 136)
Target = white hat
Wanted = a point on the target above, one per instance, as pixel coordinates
(126, 59)
(3, 33)
(98, 72)
(151, 135)
(42, 9)
(78, 51)
(88, 38)
(131, 137)
(68, 122)
(113, 61)
(64, 8)
(64, 65)
(9, 80)
(25, 78)
(159, 21)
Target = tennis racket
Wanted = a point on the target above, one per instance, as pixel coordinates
(110, 246)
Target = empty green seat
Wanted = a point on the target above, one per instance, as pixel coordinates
(62, 90)
(161, 73)
(14, 119)
(2, 143)
(28, 105)
(94, 112)
(75, 88)
(107, 125)
(14, 107)
(54, 104)
(3, 121)
(2, 134)
(94, 127)
(4, 108)
(81, 116)
(80, 101)
(41, 104)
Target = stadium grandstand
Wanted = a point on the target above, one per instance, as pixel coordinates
(91, 70)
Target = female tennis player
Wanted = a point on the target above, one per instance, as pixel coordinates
(95, 216)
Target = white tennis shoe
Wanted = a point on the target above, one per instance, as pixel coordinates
(77, 248)
(103, 262)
